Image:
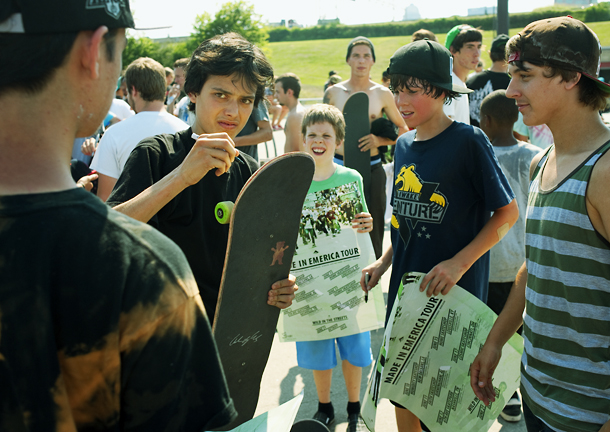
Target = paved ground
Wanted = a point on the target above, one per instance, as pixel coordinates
(284, 379)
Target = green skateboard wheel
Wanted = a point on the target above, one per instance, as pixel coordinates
(223, 211)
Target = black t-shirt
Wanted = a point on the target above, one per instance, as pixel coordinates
(483, 83)
(101, 324)
(189, 218)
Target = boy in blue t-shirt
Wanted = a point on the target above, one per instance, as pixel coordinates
(323, 131)
(447, 182)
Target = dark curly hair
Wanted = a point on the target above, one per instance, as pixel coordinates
(225, 55)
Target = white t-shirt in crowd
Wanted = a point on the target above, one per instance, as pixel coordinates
(121, 109)
(119, 140)
(458, 109)
(181, 110)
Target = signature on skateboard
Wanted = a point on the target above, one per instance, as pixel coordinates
(263, 228)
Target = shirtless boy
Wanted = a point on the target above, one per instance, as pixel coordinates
(287, 90)
(361, 57)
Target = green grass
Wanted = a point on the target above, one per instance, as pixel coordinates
(311, 60)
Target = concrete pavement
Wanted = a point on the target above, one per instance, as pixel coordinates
(283, 378)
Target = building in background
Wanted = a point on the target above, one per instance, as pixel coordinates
(411, 13)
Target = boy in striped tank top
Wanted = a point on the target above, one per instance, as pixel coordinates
(562, 292)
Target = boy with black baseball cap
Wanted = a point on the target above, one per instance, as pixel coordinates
(494, 78)
(101, 323)
(564, 285)
(447, 183)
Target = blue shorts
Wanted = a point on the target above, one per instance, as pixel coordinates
(321, 355)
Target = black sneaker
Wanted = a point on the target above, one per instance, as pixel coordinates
(512, 410)
(355, 423)
(324, 418)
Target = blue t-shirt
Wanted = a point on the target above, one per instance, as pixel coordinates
(444, 192)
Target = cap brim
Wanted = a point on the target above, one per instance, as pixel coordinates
(452, 87)
(460, 89)
(604, 86)
(150, 28)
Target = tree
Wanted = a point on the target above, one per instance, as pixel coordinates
(166, 54)
(236, 17)
(136, 48)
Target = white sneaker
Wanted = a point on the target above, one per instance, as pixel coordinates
(512, 410)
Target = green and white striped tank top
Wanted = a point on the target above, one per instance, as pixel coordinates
(566, 325)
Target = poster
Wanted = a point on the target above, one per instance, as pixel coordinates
(279, 419)
(328, 265)
(425, 358)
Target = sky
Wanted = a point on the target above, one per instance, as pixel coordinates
(180, 14)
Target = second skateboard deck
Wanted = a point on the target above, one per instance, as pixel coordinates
(357, 125)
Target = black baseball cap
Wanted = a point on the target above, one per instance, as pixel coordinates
(562, 42)
(65, 16)
(498, 45)
(360, 40)
(426, 60)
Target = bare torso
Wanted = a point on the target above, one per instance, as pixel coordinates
(379, 96)
(292, 129)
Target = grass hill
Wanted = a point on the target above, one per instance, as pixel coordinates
(311, 60)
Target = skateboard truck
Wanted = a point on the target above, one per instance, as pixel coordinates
(223, 211)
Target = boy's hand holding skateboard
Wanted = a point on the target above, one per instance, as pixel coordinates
(369, 142)
(282, 292)
(210, 151)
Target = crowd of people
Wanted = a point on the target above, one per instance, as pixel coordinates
(109, 277)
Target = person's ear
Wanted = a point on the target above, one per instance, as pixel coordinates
(193, 97)
(339, 143)
(485, 122)
(569, 85)
(91, 50)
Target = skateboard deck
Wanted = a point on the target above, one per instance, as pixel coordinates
(356, 114)
(263, 228)
(309, 425)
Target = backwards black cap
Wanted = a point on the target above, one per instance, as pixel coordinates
(66, 16)
(426, 60)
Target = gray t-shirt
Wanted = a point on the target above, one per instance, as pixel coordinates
(509, 254)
